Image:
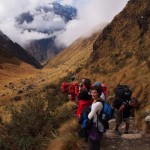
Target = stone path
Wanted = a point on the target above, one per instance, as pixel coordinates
(135, 140)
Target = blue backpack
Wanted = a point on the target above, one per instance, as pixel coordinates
(85, 123)
(107, 112)
(105, 115)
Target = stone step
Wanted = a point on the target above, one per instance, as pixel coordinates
(131, 136)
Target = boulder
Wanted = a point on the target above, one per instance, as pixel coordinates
(147, 119)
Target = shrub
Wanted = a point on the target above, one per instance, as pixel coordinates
(27, 123)
(33, 121)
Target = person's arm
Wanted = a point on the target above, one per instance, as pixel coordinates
(95, 107)
(122, 107)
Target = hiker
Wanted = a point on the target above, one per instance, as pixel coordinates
(84, 100)
(72, 91)
(65, 87)
(72, 76)
(96, 130)
(122, 106)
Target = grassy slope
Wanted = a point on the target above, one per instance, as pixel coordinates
(11, 68)
(121, 54)
(75, 55)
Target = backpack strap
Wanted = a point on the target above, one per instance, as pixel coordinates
(101, 113)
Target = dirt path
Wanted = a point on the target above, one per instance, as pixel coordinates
(135, 140)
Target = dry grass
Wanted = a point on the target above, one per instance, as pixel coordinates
(75, 55)
(67, 138)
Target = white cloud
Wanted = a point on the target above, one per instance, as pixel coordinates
(67, 2)
(91, 13)
(44, 22)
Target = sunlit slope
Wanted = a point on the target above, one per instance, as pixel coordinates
(121, 54)
(76, 55)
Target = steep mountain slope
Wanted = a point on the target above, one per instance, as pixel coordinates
(15, 50)
(11, 67)
(121, 54)
(43, 49)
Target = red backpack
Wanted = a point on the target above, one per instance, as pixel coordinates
(65, 87)
(73, 90)
(104, 89)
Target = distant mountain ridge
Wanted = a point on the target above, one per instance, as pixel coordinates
(43, 49)
(15, 50)
(66, 12)
(37, 47)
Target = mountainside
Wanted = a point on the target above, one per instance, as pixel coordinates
(121, 54)
(43, 49)
(54, 16)
(127, 37)
(15, 50)
(12, 68)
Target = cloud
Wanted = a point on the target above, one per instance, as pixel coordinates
(66, 2)
(91, 13)
(44, 22)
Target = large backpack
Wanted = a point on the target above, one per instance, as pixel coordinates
(105, 115)
(65, 87)
(122, 93)
(72, 90)
(85, 123)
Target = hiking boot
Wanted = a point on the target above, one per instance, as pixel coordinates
(117, 132)
(126, 132)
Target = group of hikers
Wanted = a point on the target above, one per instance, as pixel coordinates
(95, 108)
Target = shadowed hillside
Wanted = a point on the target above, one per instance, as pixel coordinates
(15, 50)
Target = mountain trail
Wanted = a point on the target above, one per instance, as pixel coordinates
(134, 140)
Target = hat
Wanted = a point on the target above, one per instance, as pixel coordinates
(96, 84)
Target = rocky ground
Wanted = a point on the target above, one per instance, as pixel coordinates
(135, 140)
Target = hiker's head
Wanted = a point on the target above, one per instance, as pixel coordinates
(95, 92)
(86, 82)
(97, 84)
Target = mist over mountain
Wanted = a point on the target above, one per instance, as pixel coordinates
(64, 21)
(45, 48)
(57, 15)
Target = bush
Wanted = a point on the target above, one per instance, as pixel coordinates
(33, 121)
(27, 124)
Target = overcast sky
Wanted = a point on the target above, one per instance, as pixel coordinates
(91, 15)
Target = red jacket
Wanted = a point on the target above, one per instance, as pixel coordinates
(81, 105)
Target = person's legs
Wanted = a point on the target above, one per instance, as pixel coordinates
(118, 121)
(94, 145)
(97, 145)
(127, 125)
(91, 144)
